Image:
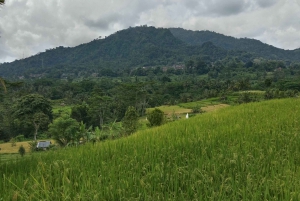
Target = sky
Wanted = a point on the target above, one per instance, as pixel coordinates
(28, 27)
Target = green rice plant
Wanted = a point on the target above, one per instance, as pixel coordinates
(246, 152)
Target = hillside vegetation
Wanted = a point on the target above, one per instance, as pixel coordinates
(247, 152)
(236, 44)
(142, 46)
(129, 48)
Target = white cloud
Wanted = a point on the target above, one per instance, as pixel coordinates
(31, 26)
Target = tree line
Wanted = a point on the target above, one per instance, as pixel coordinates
(26, 107)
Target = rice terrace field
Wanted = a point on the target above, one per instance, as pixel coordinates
(7, 148)
(245, 152)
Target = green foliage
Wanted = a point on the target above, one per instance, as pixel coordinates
(231, 43)
(156, 117)
(122, 49)
(158, 69)
(31, 104)
(39, 120)
(21, 150)
(197, 109)
(20, 138)
(13, 142)
(245, 98)
(99, 135)
(32, 146)
(65, 130)
(128, 51)
(235, 149)
(130, 121)
(85, 133)
(99, 110)
(31, 113)
(268, 82)
(80, 113)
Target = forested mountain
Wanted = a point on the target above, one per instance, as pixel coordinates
(138, 67)
(137, 47)
(230, 43)
(123, 50)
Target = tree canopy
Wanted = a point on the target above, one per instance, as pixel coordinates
(32, 112)
(130, 121)
(155, 117)
(132, 50)
(65, 130)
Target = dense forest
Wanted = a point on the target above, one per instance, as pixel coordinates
(134, 79)
(256, 47)
(142, 46)
(121, 51)
(141, 67)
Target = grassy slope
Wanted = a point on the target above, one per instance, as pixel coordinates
(180, 110)
(201, 103)
(247, 152)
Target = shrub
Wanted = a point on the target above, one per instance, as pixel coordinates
(19, 138)
(32, 146)
(197, 109)
(156, 117)
(130, 121)
(22, 150)
(13, 142)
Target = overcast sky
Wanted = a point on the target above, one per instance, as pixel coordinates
(31, 26)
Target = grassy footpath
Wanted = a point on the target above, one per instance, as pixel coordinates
(247, 152)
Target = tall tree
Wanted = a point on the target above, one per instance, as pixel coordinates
(39, 119)
(155, 117)
(130, 121)
(99, 109)
(80, 113)
(65, 130)
(32, 112)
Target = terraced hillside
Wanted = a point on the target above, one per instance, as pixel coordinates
(246, 152)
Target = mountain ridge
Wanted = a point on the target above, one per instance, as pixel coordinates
(232, 43)
(143, 46)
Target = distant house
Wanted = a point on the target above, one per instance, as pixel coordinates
(43, 145)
